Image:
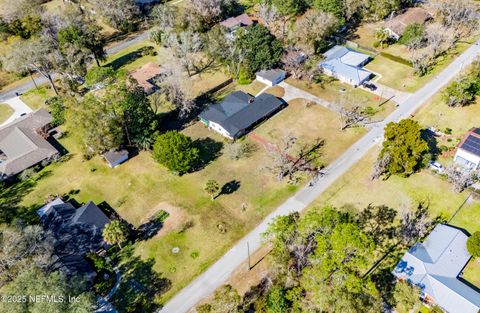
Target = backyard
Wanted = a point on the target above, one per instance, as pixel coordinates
(471, 272)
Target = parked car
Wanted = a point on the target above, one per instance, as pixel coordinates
(437, 167)
(23, 114)
(370, 86)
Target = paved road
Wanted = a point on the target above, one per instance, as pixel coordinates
(19, 106)
(221, 270)
(42, 80)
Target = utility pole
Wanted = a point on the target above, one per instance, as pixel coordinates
(248, 251)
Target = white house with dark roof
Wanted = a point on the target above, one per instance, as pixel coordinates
(239, 112)
(468, 152)
(435, 266)
(346, 65)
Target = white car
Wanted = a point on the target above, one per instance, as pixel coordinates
(437, 167)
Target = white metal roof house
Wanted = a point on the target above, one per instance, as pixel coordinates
(468, 152)
(435, 266)
(346, 65)
(271, 77)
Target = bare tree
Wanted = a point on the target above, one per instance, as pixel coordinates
(459, 178)
(269, 14)
(380, 166)
(414, 224)
(209, 10)
(312, 28)
(175, 86)
(351, 111)
(120, 14)
(458, 15)
(292, 62)
(38, 54)
(187, 47)
(284, 162)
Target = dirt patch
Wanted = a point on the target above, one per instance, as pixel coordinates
(176, 217)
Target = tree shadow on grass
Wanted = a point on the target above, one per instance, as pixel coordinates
(431, 140)
(12, 194)
(128, 58)
(229, 188)
(209, 151)
(140, 284)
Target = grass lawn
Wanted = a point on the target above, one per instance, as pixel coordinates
(253, 89)
(310, 123)
(357, 189)
(331, 93)
(35, 98)
(5, 112)
(140, 187)
(439, 115)
(471, 273)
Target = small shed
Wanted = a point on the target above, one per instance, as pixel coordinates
(115, 157)
(271, 77)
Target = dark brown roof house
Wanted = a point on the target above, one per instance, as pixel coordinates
(233, 23)
(23, 143)
(146, 75)
(397, 25)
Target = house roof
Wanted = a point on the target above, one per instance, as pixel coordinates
(471, 142)
(21, 145)
(65, 213)
(271, 75)
(145, 74)
(435, 265)
(239, 110)
(113, 157)
(399, 23)
(346, 63)
(241, 20)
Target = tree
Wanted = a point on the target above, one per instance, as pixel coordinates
(209, 11)
(380, 166)
(99, 128)
(22, 248)
(473, 244)
(38, 54)
(352, 116)
(276, 302)
(114, 233)
(239, 149)
(165, 20)
(335, 7)
(267, 52)
(212, 188)
(382, 37)
(459, 178)
(120, 14)
(414, 225)
(225, 300)
(289, 7)
(414, 34)
(378, 221)
(406, 147)
(460, 92)
(87, 36)
(187, 46)
(176, 152)
(407, 297)
(34, 283)
(312, 28)
(457, 14)
(100, 75)
(57, 110)
(285, 161)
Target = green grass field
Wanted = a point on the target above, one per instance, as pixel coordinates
(35, 98)
(5, 112)
(307, 124)
(471, 272)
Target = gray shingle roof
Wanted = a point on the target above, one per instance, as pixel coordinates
(21, 146)
(271, 75)
(434, 266)
(238, 111)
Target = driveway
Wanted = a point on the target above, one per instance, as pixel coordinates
(19, 106)
(220, 271)
(292, 92)
(389, 93)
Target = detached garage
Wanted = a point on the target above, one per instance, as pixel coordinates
(271, 77)
(115, 158)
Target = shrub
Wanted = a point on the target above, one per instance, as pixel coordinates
(473, 244)
(176, 152)
(57, 110)
(413, 33)
(239, 149)
(27, 174)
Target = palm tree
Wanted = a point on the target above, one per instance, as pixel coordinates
(212, 187)
(114, 233)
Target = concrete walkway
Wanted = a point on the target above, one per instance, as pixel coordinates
(18, 106)
(292, 92)
(217, 274)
